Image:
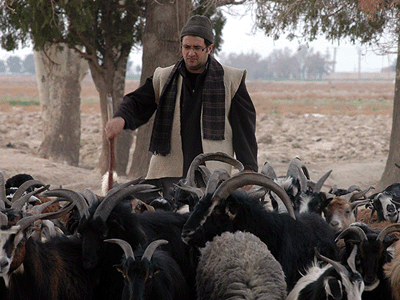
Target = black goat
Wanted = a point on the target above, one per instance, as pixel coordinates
(32, 269)
(112, 217)
(291, 241)
(151, 274)
(372, 254)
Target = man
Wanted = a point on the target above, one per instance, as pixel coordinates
(201, 106)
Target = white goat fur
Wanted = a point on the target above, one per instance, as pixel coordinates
(239, 266)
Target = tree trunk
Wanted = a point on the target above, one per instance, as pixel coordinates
(110, 79)
(59, 74)
(391, 174)
(161, 48)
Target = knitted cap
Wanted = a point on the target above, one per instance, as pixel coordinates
(198, 26)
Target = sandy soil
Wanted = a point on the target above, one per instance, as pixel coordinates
(339, 126)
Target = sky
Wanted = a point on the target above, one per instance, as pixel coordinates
(240, 37)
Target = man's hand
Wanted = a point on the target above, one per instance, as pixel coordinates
(114, 127)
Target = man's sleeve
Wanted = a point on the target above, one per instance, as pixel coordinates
(242, 117)
(138, 106)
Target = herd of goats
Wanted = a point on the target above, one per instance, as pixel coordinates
(286, 238)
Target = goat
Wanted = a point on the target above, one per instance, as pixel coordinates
(112, 217)
(288, 239)
(239, 266)
(392, 272)
(340, 212)
(190, 189)
(47, 270)
(306, 196)
(386, 204)
(150, 274)
(372, 254)
(331, 281)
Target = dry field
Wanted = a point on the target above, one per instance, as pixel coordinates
(344, 126)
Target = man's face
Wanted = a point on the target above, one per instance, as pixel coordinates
(195, 53)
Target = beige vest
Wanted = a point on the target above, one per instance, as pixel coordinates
(171, 165)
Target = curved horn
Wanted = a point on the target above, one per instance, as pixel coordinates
(203, 157)
(358, 203)
(148, 253)
(318, 186)
(3, 197)
(297, 169)
(20, 202)
(227, 187)
(89, 196)
(3, 219)
(218, 176)
(388, 229)
(268, 171)
(74, 197)
(114, 197)
(354, 229)
(198, 192)
(26, 185)
(28, 220)
(351, 261)
(338, 266)
(125, 246)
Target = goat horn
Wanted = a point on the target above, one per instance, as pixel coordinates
(268, 171)
(148, 253)
(114, 197)
(3, 197)
(125, 246)
(318, 186)
(242, 179)
(74, 197)
(215, 180)
(203, 157)
(358, 203)
(297, 169)
(351, 261)
(20, 202)
(3, 219)
(23, 187)
(354, 229)
(336, 265)
(198, 192)
(26, 221)
(388, 229)
(89, 196)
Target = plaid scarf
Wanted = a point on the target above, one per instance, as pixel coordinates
(213, 101)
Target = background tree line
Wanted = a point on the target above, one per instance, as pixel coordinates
(280, 64)
(16, 65)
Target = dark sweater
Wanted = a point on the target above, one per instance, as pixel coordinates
(138, 106)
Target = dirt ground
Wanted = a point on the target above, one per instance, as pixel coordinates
(339, 126)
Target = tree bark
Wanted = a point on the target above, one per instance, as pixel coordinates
(391, 174)
(59, 74)
(110, 79)
(161, 48)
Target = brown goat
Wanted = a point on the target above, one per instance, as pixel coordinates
(340, 212)
(392, 271)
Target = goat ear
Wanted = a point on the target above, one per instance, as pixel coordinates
(333, 287)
